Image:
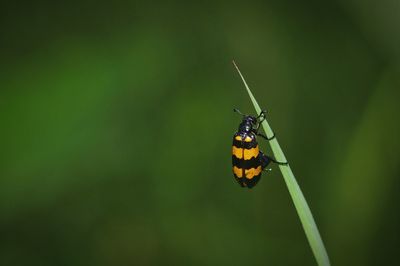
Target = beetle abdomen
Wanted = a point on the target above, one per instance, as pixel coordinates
(246, 164)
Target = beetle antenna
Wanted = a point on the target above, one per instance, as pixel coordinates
(237, 111)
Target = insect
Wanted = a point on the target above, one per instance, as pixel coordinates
(248, 161)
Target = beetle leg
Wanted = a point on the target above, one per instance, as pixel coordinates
(275, 161)
(260, 118)
(265, 160)
(265, 137)
(262, 114)
(259, 124)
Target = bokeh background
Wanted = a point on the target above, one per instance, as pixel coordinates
(116, 127)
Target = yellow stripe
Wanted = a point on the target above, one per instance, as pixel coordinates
(250, 173)
(237, 171)
(249, 153)
(247, 139)
(238, 152)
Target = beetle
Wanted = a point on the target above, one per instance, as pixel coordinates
(248, 161)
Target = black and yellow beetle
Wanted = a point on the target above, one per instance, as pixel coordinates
(248, 161)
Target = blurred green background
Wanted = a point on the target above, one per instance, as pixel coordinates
(116, 128)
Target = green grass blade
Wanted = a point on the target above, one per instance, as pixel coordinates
(299, 201)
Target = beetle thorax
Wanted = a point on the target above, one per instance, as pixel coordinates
(247, 124)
